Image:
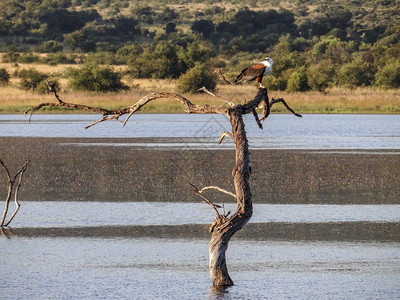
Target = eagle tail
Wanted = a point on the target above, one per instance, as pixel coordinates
(240, 76)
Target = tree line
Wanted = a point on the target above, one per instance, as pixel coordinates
(313, 49)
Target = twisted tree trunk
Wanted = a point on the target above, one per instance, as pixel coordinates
(225, 228)
(222, 228)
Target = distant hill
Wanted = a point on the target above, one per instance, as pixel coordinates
(342, 42)
(27, 23)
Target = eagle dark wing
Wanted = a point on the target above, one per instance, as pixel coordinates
(251, 73)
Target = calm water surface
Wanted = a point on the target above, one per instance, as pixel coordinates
(281, 131)
(86, 268)
(66, 214)
(161, 268)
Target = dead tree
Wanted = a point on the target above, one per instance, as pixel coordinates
(10, 191)
(224, 226)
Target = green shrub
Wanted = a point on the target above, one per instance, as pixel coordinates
(10, 57)
(389, 75)
(28, 58)
(58, 58)
(94, 78)
(49, 47)
(4, 77)
(31, 78)
(159, 61)
(354, 74)
(196, 77)
(298, 81)
(196, 52)
(320, 75)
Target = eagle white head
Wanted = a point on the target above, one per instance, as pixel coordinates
(268, 62)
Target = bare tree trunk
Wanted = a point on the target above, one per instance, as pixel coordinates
(222, 228)
(225, 228)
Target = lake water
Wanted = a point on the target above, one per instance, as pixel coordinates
(161, 267)
(281, 131)
(67, 214)
(150, 268)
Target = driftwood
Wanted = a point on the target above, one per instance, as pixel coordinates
(223, 227)
(10, 191)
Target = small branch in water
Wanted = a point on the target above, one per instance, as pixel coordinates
(11, 182)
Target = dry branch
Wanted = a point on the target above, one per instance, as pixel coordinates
(10, 190)
(218, 189)
(219, 72)
(223, 135)
(203, 89)
(130, 110)
(268, 104)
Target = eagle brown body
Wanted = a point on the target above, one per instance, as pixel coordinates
(256, 72)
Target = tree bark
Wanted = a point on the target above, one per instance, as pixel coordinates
(222, 228)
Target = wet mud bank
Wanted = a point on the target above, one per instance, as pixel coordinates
(332, 231)
(109, 169)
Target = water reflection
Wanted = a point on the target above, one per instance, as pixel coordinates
(218, 292)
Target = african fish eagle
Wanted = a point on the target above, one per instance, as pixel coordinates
(256, 71)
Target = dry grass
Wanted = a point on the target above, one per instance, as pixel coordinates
(337, 100)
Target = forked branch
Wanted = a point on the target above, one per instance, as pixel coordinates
(268, 104)
(130, 110)
(10, 191)
(206, 200)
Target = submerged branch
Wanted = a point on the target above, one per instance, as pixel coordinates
(11, 182)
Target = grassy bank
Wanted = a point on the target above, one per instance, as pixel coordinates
(337, 100)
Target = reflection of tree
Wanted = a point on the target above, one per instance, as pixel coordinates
(225, 225)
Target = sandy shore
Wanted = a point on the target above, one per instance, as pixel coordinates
(62, 171)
